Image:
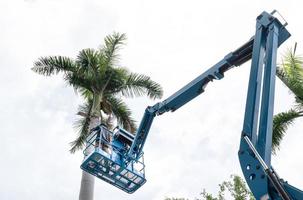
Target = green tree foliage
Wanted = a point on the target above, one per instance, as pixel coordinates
(96, 75)
(290, 72)
(235, 187)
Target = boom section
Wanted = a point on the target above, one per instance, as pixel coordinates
(256, 139)
(194, 89)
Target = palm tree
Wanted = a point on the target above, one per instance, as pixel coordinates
(290, 72)
(96, 76)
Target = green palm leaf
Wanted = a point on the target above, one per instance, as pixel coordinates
(281, 122)
(138, 85)
(85, 93)
(113, 43)
(95, 75)
(79, 82)
(88, 60)
(114, 78)
(121, 112)
(290, 72)
(82, 124)
(53, 65)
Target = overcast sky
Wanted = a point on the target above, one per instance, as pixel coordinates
(172, 42)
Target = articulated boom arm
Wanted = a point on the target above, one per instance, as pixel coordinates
(187, 93)
(255, 148)
(193, 89)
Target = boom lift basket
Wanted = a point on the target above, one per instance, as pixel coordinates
(107, 159)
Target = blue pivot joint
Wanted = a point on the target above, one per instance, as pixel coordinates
(256, 141)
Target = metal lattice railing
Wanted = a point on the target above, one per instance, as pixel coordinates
(106, 158)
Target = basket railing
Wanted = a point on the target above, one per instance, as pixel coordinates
(95, 141)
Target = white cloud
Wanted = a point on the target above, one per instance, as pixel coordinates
(173, 42)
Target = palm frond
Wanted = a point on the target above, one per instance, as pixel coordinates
(139, 85)
(281, 122)
(298, 104)
(112, 44)
(88, 60)
(292, 65)
(114, 78)
(82, 125)
(290, 72)
(79, 82)
(94, 73)
(121, 112)
(85, 93)
(53, 65)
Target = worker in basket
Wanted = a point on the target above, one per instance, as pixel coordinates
(103, 138)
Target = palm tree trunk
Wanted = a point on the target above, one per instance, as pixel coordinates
(87, 186)
(87, 180)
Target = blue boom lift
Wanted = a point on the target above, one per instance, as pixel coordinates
(119, 160)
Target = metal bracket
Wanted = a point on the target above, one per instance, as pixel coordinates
(279, 17)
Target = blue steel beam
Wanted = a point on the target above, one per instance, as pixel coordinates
(187, 93)
(197, 86)
(264, 183)
(255, 149)
(250, 124)
(136, 149)
(264, 143)
(253, 97)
